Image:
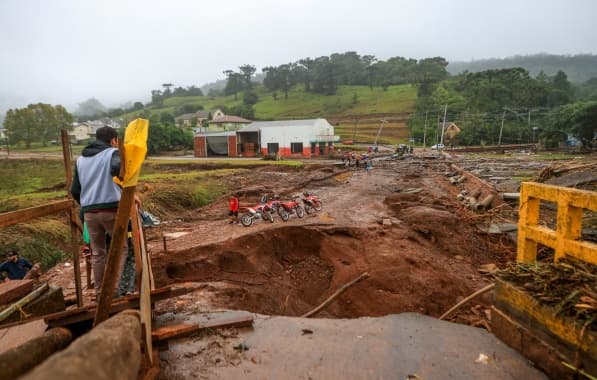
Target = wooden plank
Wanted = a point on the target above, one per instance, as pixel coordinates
(13, 290)
(112, 272)
(137, 227)
(145, 293)
(67, 155)
(24, 215)
(185, 329)
(74, 246)
(152, 372)
(85, 313)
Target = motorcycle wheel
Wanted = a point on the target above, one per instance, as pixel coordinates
(283, 214)
(308, 208)
(299, 211)
(317, 205)
(268, 216)
(246, 220)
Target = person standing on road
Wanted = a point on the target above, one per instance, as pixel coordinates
(233, 209)
(94, 189)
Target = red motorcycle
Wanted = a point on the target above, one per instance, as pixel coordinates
(261, 211)
(292, 207)
(275, 205)
(311, 202)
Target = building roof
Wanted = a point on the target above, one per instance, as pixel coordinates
(258, 125)
(186, 116)
(230, 119)
(216, 134)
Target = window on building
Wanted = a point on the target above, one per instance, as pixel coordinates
(272, 148)
(296, 147)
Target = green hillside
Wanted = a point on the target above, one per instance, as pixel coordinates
(349, 100)
(341, 109)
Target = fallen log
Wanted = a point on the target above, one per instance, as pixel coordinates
(112, 350)
(185, 329)
(18, 360)
(336, 294)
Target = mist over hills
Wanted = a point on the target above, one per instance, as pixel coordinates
(578, 68)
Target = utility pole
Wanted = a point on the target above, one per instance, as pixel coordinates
(425, 131)
(502, 128)
(529, 121)
(437, 126)
(444, 125)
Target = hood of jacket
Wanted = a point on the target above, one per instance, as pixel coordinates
(94, 148)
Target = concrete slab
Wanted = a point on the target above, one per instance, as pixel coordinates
(391, 347)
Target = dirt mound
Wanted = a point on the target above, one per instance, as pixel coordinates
(290, 270)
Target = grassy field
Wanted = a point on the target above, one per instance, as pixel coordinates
(348, 102)
(164, 186)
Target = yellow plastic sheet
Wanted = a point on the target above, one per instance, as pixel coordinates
(135, 149)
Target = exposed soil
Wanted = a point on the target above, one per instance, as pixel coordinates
(424, 258)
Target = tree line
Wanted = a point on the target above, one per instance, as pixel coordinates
(508, 105)
(323, 75)
(36, 123)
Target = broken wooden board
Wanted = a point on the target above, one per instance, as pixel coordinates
(14, 290)
(87, 313)
(560, 333)
(185, 329)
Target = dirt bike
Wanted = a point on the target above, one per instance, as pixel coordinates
(261, 211)
(276, 206)
(311, 202)
(293, 207)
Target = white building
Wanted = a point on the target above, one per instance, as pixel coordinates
(300, 138)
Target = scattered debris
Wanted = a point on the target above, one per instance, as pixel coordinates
(482, 359)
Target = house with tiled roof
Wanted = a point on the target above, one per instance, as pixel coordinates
(198, 118)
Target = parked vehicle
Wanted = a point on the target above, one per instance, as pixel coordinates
(261, 211)
(437, 146)
(292, 207)
(311, 202)
(276, 206)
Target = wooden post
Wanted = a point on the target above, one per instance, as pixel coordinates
(137, 228)
(112, 271)
(73, 218)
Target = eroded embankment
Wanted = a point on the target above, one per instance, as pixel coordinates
(289, 270)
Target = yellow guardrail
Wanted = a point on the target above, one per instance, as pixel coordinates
(566, 238)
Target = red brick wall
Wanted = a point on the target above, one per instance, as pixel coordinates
(232, 146)
(200, 146)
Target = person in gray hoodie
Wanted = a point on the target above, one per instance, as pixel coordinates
(94, 189)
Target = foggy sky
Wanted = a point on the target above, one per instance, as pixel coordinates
(63, 51)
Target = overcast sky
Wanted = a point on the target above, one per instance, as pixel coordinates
(63, 51)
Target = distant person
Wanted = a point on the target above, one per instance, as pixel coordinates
(369, 165)
(233, 209)
(94, 189)
(17, 268)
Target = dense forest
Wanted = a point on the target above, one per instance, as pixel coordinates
(579, 68)
(509, 106)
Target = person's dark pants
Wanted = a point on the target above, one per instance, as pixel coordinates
(99, 224)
